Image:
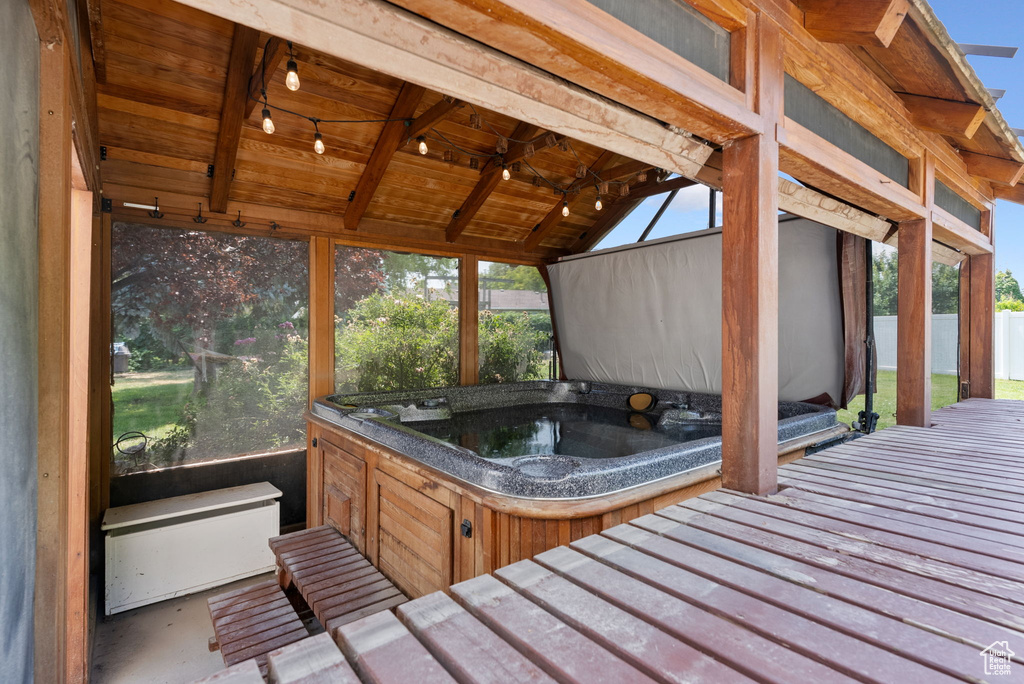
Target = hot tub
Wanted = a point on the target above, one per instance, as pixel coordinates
(439, 486)
(553, 440)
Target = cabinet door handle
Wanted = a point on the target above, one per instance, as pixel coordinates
(314, 442)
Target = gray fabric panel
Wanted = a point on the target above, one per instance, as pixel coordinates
(19, 152)
(652, 315)
(956, 205)
(809, 110)
(681, 29)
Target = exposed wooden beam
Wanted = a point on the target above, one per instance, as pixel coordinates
(854, 22)
(750, 283)
(391, 138)
(661, 188)
(612, 215)
(941, 253)
(914, 324)
(954, 232)
(273, 54)
(947, 117)
(826, 210)
(490, 176)
(244, 44)
(810, 158)
(1013, 194)
(554, 215)
(433, 116)
(995, 169)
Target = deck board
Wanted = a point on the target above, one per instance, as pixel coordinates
(895, 557)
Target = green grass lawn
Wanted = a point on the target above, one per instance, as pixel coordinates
(944, 393)
(150, 402)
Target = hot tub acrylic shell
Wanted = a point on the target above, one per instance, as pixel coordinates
(389, 419)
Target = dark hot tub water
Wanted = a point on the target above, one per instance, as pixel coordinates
(576, 430)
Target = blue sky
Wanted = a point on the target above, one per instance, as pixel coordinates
(996, 22)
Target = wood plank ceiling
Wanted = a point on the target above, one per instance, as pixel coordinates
(162, 70)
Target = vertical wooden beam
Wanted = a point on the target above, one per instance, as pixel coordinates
(750, 283)
(104, 381)
(914, 324)
(80, 280)
(50, 605)
(234, 105)
(321, 317)
(469, 320)
(980, 295)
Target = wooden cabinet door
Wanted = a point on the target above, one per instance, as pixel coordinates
(415, 538)
(344, 487)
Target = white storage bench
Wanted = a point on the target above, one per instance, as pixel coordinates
(161, 549)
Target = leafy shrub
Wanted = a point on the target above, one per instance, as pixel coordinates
(398, 342)
(509, 347)
(1010, 305)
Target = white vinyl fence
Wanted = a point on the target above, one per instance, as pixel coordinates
(1009, 344)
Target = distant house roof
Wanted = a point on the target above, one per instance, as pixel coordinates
(505, 300)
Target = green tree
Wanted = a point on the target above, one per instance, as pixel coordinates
(945, 286)
(515, 277)
(945, 289)
(885, 279)
(1007, 287)
(509, 347)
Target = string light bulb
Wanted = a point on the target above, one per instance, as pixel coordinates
(565, 207)
(292, 79)
(598, 205)
(318, 143)
(422, 140)
(268, 123)
(505, 175)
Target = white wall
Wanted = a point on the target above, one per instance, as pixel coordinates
(1008, 334)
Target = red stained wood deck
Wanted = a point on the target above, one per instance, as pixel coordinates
(897, 557)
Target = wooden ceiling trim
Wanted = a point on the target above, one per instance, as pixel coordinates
(244, 44)
(1005, 171)
(1013, 194)
(946, 117)
(390, 139)
(854, 22)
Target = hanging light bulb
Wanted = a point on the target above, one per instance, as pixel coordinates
(318, 143)
(292, 79)
(505, 175)
(597, 204)
(268, 123)
(565, 207)
(422, 140)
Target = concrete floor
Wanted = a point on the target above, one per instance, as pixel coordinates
(163, 643)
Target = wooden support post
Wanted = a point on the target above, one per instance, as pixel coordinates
(469, 320)
(54, 324)
(914, 324)
(321, 317)
(977, 349)
(750, 285)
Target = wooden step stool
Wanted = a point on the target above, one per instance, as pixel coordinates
(253, 621)
(337, 582)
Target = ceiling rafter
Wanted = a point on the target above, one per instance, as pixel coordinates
(554, 216)
(391, 137)
(433, 116)
(273, 54)
(490, 176)
(244, 44)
